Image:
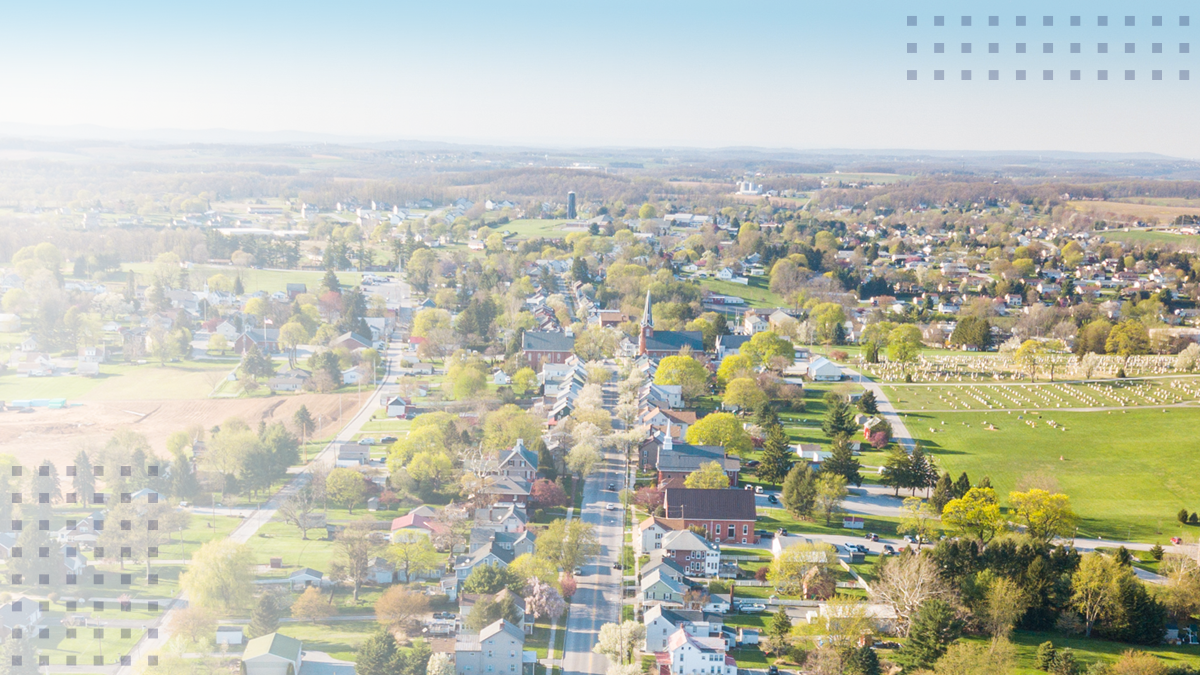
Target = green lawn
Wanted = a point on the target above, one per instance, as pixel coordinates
(339, 638)
(534, 228)
(1119, 484)
(184, 380)
(757, 293)
(1042, 396)
(1090, 650)
(253, 279)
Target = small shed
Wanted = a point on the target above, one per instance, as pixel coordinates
(229, 635)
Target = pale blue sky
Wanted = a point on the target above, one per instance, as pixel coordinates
(791, 74)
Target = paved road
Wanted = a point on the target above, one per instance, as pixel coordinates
(249, 527)
(598, 598)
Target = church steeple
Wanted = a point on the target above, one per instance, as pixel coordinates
(647, 325)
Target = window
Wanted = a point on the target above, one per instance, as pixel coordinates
(745, 529)
(732, 531)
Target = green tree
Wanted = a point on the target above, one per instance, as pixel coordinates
(777, 457)
(264, 619)
(904, 343)
(346, 487)
(709, 476)
(744, 393)
(723, 429)
(1128, 338)
(524, 381)
(897, 468)
(867, 404)
(378, 655)
(684, 371)
(976, 514)
(568, 545)
(839, 417)
(489, 610)
(781, 624)
(220, 577)
(933, 629)
(489, 579)
(304, 422)
(831, 490)
(800, 491)
(766, 346)
(842, 461)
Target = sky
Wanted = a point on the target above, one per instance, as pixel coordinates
(773, 74)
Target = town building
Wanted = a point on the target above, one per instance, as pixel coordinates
(726, 515)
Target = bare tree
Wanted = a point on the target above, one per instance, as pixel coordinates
(907, 582)
(353, 550)
(299, 507)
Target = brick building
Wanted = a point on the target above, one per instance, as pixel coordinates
(727, 516)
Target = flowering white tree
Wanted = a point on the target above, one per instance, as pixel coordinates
(619, 642)
(544, 600)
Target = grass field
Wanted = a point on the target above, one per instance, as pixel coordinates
(534, 228)
(192, 379)
(1186, 241)
(1115, 393)
(1120, 484)
(339, 638)
(1149, 212)
(253, 279)
(757, 293)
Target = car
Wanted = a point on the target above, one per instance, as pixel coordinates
(388, 440)
(764, 533)
(184, 505)
(773, 499)
(758, 489)
(753, 464)
(366, 441)
(610, 507)
(782, 532)
(443, 615)
(773, 670)
(1176, 541)
(618, 566)
(612, 487)
(752, 608)
(578, 571)
(888, 550)
(871, 536)
(860, 548)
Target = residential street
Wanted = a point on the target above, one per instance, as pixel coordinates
(598, 598)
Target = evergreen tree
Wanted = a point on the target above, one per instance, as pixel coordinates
(861, 661)
(238, 287)
(839, 417)
(766, 416)
(377, 655)
(304, 422)
(933, 629)
(1045, 655)
(943, 492)
(84, 482)
(800, 490)
(330, 282)
(842, 462)
(961, 486)
(781, 624)
(777, 457)
(985, 482)
(546, 466)
(922, 472)
(265, 617)
(896, 469)
(867, 404)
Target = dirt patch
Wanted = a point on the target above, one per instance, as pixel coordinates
(58, 435)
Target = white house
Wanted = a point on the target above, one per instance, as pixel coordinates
(272, 654)
(649, 534)
(692, 655)
(498, 648)
(501, 378)
(398, 407)
(822, 369)
(305, 577)
(701, 556)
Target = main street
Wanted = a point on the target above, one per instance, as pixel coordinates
(598, 598)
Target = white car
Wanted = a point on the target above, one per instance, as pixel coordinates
(752, 608)
(610, 506)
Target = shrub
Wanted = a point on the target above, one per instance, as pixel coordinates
(1192, 519)
(1045, 655)
(760, 574)
(1182, 516)
(1157, 552)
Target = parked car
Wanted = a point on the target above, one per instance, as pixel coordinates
(366, 441)
(610, 506)
(618, 566)
(888, 550)
(388, 440)
(764, 534)
(871, 536)
(752, 608)
(782, 532)
(612, 487)
(773, 499)
(773, 670)
(754, 463)
(1176, 540)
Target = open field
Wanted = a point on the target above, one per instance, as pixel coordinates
(1126, 210)
(757, 293)
(1183, 241)
(1043, 396)
(253, 279)
(1120, 484)
(59, 434)
(535, 228)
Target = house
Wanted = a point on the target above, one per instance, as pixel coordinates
(509, 490)
(501, 378)
(29, 344)
(227, 330)
(658, 588)
(381, 571)
(7, 541)
(687, 654)
(753, 324)
(266, 339)
(675, 461)
(306, 577)
(546, 347)
(662, 622)
(660, 562)
(730, 344)
(229, 635)
(398, 407)
(660, 344)
(19, 618)
(519, 462)
(83, 532)
(289, 380)
(294, 289)
(93, 354)
(501, 518)
(727, 515)
(351, 341)
(416, 523)
(272, 654)
(350, 455)
(660, 419)
(697, 555)
(649, 533)
(488, 554)
(661, 395)
(467, 601)
(498, 648)
(822, 369)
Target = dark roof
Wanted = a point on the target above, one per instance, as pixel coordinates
(719, 504)
(685, 457)
(539, 341)
(674, 340)
(732, 341)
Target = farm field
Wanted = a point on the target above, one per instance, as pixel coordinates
(1185, 241)
(1161, 212)
(1121, 485)
(1043, 396)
